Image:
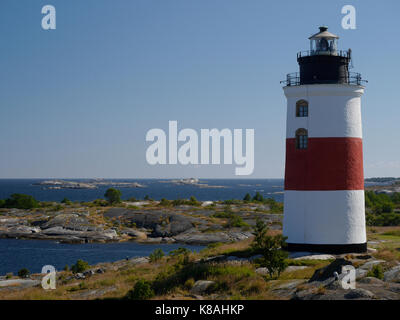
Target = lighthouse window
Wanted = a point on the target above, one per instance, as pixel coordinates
(301, 108)
(301, 139)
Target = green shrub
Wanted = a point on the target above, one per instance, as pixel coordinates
(235, 221)
(23, 273)
(395, 233)
(379, 203)
(66, 201)
(113, 195)
(275, 207)
(222, 215)
(189, 283)
(79, 266)
(100, 202)
(247, 197)
(396, 196)
(214, 245)
(156, 255)
(21, 201)
(81, 286)
(260, 232)
(177, 275)
(179, 251)
(383, 219)
(258, 197)
(58, 207)
(232, 201)
(193, 201)
(178, 202)
(141, 291)
(376, 272)
(165, 203)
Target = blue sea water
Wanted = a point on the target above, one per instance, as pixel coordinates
(156, 189)
(34, 254)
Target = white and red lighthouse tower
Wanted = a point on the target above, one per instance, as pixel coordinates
(324, 181)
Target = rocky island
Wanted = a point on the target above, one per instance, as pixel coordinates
(90, 184)
(144, 221)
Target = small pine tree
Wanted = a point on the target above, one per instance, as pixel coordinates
(113, 195)
(247, 197)
(258, 197)
(270, 247)
(260, 231)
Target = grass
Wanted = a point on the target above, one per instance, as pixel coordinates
(306, 262)
(173, 277)
(238, 281)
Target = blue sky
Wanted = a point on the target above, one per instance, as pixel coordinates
(77, 101)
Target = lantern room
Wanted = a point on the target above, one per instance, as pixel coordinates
(323, 42)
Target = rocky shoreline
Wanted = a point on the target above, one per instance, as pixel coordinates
(183, 224)
(322, 285)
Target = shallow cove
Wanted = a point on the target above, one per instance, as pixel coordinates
(16, 254)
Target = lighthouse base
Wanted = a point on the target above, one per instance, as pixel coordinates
(328, 248)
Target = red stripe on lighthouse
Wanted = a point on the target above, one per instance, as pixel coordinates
(327, 164)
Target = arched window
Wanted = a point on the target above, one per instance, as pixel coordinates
(302, 108)
(301, 138)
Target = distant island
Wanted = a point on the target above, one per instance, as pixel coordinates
(192, 182)
(92, 184)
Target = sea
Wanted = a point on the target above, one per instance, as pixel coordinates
(218, 189)
(16, 254)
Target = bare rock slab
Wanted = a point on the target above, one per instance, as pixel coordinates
(201, 286)
(393, 274)
(310, 256)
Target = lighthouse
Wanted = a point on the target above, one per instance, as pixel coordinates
(324, 209)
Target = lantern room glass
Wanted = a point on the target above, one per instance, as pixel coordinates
(323, 46)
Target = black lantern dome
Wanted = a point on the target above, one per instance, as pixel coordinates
(323, 63)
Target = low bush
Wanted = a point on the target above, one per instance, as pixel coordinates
(376, 272)
(189, 283)
(80, 266)
(383, 219)
(66, 201)
(156, 255)
(165, 203)
(20, 201)
(23, 273)
(141, 291)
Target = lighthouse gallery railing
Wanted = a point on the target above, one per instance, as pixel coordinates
(293, 79)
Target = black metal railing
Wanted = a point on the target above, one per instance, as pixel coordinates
(339, 53)
(293, 79)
